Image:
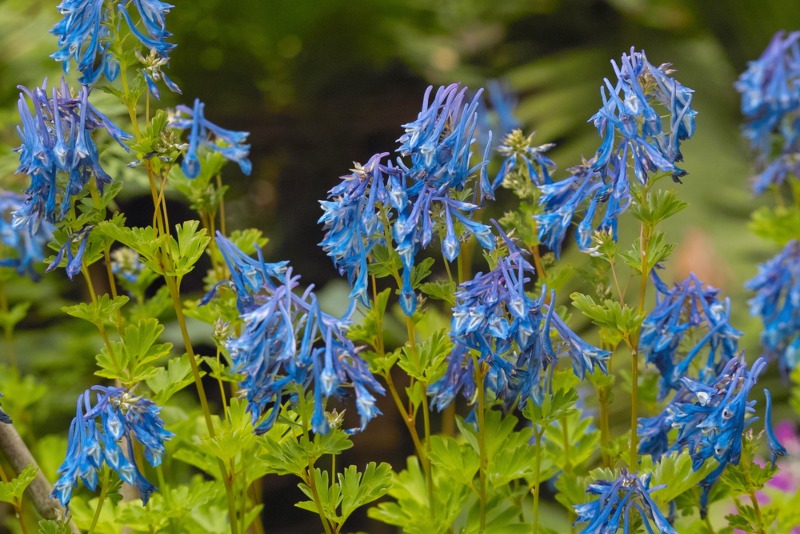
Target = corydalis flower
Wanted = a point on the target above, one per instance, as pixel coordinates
(634, 139)
(521, 156)
(84, 34)
(4, 417)
(27, 246)
(96, 437)
(710, 417)
(354, 222)
(777, 304)
(126, 265)
(57, 141)
(617, 499)
(232, 145)
(74, 259)
(289, 345)
(686, 308)
(770, 89)
(513, 335)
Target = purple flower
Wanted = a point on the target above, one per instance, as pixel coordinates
(232, 145)
(57, 142)
(96, 437)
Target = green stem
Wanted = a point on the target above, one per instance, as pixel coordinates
(644, 244)
(537, 472)
(480, 370)
(103, 492)
(757, 508)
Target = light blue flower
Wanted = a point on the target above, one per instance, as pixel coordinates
(770, 89)
(289, 345)
(617, 499)
(74, 259)
(57, 141)
(687, 309)
(777, 304)
(25, 249)
(84, 35)
(96, 437)
(775, 447)
(203, 133)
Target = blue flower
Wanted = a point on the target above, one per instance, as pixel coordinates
(710, 416)
(353, 220)
(511, 333)
(288, 345)
(770, 104)
(612, 510)
(686, 309)
(26, 247)
(4, 417)
(97, 433)
(232, 145)
(775, 447)
(84, 35)
(125, 263)
(777, 304)
(57, 141)
(74, 260)
(519, 153)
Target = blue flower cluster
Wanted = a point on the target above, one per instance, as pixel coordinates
(417, 197)
(634, 135)
(84, 35)
(710, 416)
(289, 345)
(777, 303)
(74, 259)
(126, 265)
(56, 139)
(28, 247)
(681, 312)
(531, 158)
(612, 510)
(232, 145)
(512, 333)
(770, 89)
(96, 437)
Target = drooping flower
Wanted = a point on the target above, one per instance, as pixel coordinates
(513, 335)
(97, 435)
(777, 304)
(521, 155)
(74, 259)
(24, 249)
(232, 145)
(710, 416)
(685, 309)
(4, 417)
(770, 89)
(775, 447)
(84, 35)
(57, 141)
(289, 345)
(353, 220)
(635, 139)
(617, 499)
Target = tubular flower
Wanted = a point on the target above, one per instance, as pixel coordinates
(770, 89)
(634, 138)
(710, 416)
(289, 345)
(777, 303)
(126, 265)
(84, 35)
(612, 510)
(512, 334)
(686, 308)
(74, 260)
(522, 156)
(232, 145)
(97, 433)
(24, 248)
(57, 141)
(353, 220)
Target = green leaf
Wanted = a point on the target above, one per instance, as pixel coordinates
(10, 318)
(385, 262)
(11, 491)
(98, 313)
(658, 251)
(440, 290)
(617, 321)
(169, 380)
(358, 489)
(658, 206)
(187, 249)
(143, 240)
(780, 224)
(47, 526)
(458, 460)
(674, 471)
(421, 271)
(426, 362)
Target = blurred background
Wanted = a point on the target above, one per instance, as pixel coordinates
(320, 85)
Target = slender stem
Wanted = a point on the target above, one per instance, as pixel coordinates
(757, 508)
(709, 526)
(221, 207)
(602, 400)
(480, 370)
(309, 474)
(101, 500)
(100, 326)
(408, 419)
(644, 244)
(537, 472)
